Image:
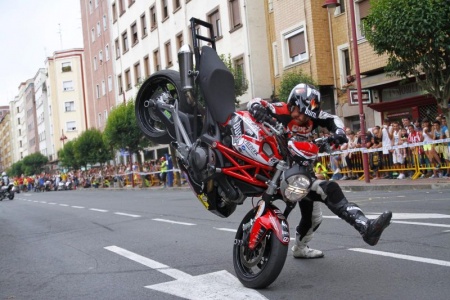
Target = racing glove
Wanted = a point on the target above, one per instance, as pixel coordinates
(258, 112)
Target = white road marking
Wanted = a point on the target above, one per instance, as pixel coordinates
(174, 222)
(423, 224)
(99, 210)
(128, 215)
(52, 203)
(406, 257)
(214, 286)
(226, 229)
(74, 206)
(63, 204)
(43, 202)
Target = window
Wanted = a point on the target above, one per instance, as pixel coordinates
(362, 11)
(146, 67)
(341, 8)
(66, 67)
(96, 3)
(100, 57)
(93, 34)
(270, 5)
(214, 19)
(90, 7)
(69, 106)
(99, 119)
(105, 114)
(167, 48)
(164, 9)
(127, 79)
(294, 46)
(97, 91)
(180, 41)
(131, 2)
(153, 20)
(117, 48)
(71, 126)
(121, 7)
(119, 84)
(109, 83)
(240, 67)
(68, 85)
(137, 73)
(156, 60)
(103, 88)
(143, 26)
(134, 34)
(98, 29)
(114, 12)
(125, 41)
(107, 52)
(235, 14)
(344, 63)
(95, 63)
(176, 5)
(105, 23)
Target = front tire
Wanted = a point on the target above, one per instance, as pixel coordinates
(166, 85)
(259, 268)
(11, 196)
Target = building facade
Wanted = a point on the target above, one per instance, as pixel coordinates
(66, 92)
(99, 67)
(5, 139)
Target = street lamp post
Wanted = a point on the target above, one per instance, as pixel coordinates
(63, 137)
(332, 4)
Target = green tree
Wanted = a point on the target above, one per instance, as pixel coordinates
(415, 36)
(240, 80)
(90, 148)
(122, 132)
(290, 80)
(34, 163)
(16, 169)
(67, 157)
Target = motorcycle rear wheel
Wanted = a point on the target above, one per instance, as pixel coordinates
(11, 196)
(259, 268)
(159, 85)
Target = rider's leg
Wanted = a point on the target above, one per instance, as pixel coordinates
(332, 195)
(311, 217)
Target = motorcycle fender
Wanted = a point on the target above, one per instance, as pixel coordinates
(272, 220)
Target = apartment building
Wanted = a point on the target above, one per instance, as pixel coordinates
(19, 135)
(30, 119)
(66, 92)
(99, 67)
(5, 139)
(148, 34)
(42, 114)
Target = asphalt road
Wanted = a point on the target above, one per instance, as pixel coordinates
(162, 244)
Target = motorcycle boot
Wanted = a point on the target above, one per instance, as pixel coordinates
(310, 221)
(370, 229)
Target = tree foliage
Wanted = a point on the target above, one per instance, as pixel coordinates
(90, 148)
(290, 80)
(16, 169)
(122, 132)
(67, 156)
(240, 80)
(415, 36)
(34, 163)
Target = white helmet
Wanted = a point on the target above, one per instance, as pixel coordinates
(4, 174)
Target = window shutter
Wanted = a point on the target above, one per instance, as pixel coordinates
(297, 44)
(364, 7)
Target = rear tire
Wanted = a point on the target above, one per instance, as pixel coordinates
(259, 268)
(11, 196)
(165, 84)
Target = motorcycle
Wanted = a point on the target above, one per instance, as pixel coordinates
(7, 191)
(226, 156)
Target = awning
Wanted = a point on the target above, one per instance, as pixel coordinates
(399, 104)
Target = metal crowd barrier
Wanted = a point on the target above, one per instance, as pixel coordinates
(416, 163)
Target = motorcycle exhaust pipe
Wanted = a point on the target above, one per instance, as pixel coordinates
(186, 64)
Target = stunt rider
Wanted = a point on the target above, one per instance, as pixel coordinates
(300, 115)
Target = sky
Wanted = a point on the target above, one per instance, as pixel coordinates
(29, 34)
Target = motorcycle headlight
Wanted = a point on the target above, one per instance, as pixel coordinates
(297, 187)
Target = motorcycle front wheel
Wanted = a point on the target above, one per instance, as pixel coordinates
(166, 86)
(11, 196)
(257, 269)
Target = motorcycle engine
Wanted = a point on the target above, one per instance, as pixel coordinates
(198, 161)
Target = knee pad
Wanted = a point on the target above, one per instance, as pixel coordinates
(329, 191)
